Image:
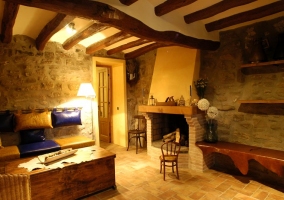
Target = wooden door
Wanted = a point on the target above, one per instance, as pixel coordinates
(103, 77)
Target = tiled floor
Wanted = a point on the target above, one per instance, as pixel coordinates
(139, 178)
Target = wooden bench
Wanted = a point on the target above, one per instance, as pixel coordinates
(241, 154)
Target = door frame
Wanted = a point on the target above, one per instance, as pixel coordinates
(119, 100)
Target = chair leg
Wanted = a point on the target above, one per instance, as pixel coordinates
(161, 166)
(128, 141)
(164, 170)
(137, 144)
(177, 170)
(139, 140)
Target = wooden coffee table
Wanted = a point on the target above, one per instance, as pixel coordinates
(73, 180)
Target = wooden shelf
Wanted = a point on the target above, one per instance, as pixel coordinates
(260, 101)
(275, 66)
(275, 62)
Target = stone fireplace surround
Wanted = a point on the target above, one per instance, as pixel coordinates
(195, 119)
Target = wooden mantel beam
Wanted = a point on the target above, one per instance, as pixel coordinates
(8, 21)
(111, 16)
(89, 31)
(214, 10)
(52, 27)
(246, 16)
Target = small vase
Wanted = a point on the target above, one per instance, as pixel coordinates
(211, 133)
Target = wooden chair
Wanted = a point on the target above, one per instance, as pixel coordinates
(170, 151)
(138, 133)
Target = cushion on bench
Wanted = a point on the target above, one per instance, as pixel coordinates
(38, 148)
(74, 142)
(9, 153)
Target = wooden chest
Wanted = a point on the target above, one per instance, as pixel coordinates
(73, 180)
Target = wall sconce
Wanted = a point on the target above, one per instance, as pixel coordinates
(70, 28)
(87, 90)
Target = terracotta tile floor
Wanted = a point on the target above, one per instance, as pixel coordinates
(139, 178)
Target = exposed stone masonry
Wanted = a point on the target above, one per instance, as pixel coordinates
(31, 79)
(227, 85)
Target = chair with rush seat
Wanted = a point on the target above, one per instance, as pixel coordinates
(170, 151)
(138, 133)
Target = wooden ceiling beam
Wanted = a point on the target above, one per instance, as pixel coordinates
(246, 16)
(52, 27)
(111, 16)
(83, 34)
(171, 5)
(127, 46)
(214, 10)
(8, 21)
(143, 50)
(107, 42)
(127, 2)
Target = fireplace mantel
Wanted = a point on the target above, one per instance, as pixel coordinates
(180, 110)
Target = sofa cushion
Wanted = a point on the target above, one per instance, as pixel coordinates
(9, 153)
(74, 142)
(32, 121)
(30, 136)
(37, 148)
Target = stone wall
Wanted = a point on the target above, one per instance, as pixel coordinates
(31, 79)
(134, 92)
(227, 85)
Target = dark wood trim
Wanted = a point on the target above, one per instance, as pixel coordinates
(81, 35)
(107, 42)
(127, 46)
(214, 10)
(143, 50)
(127, 2)
(8, 21)
(52, 27)
(110, 16)
(171, 5)
(246, 16)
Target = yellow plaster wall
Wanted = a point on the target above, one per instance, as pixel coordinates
(175, 70)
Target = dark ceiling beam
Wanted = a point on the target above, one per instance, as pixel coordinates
(127, 2)
(110, 16)
(83, 34)
(171, 5)
(214, 10)
(52, 27)
(127, 46)
(8, 21)
(246, 16)
(143, 50)
(107, 42)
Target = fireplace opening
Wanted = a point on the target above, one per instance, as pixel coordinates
(164, 124)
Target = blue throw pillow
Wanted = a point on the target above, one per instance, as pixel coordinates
(66, 117)
(31, 136)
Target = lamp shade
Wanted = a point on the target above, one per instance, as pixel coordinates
(86, 90)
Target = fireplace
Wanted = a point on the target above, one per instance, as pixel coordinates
(164, 124)
(195, 119)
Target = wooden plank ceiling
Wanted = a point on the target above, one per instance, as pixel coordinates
(104, 17)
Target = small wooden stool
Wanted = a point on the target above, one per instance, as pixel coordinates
(138, 133)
